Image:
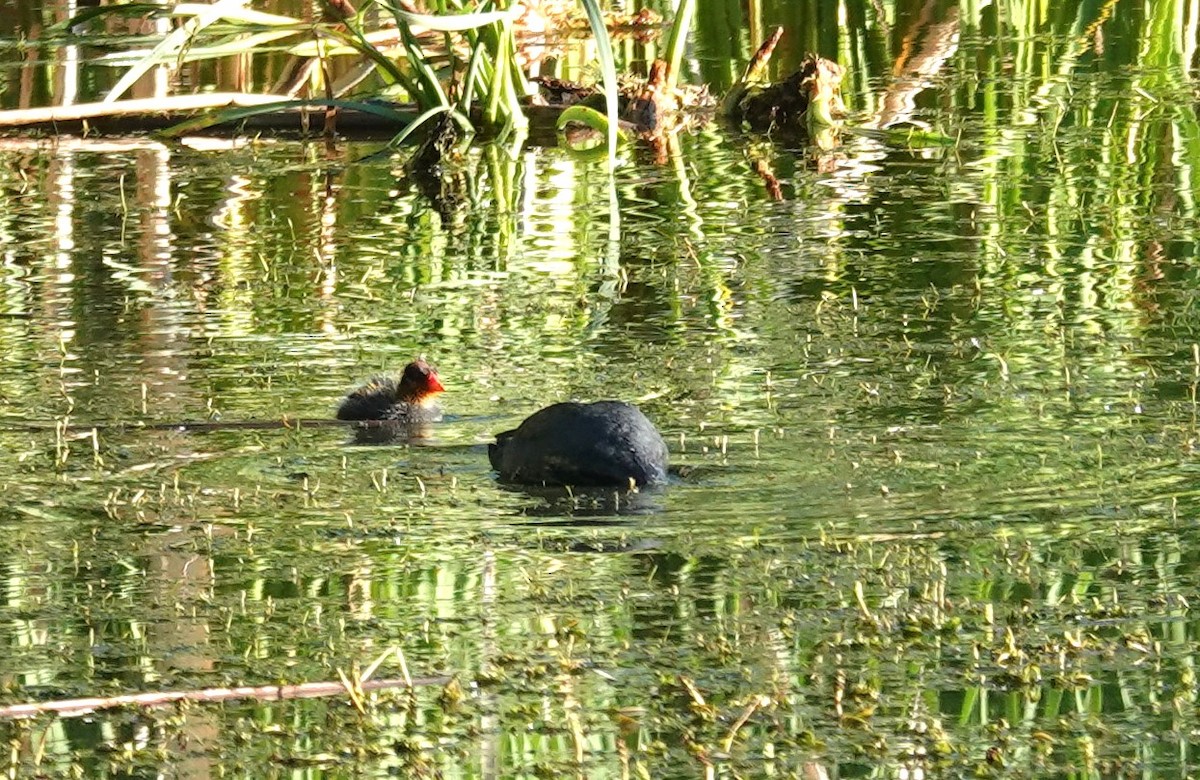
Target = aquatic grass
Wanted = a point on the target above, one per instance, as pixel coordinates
(584, 115)
(493, 72)
(677, 43)
(400, 58)
(502, 57)
(385, 65)
(242, 44)
(608, 73)
(200, 17)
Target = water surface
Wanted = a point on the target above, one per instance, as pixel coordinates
(934, 413)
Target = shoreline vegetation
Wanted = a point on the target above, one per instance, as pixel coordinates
(489, 89)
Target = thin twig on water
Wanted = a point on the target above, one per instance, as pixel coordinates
(69, 708)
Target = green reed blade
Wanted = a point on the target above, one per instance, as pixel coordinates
(608, 69)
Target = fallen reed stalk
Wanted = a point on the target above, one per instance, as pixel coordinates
(71, 708)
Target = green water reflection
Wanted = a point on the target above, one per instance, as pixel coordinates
(935, 413)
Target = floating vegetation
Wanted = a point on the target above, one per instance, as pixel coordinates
(872, 653)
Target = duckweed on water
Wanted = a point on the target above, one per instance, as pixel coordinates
(949, 652)
(838, 651)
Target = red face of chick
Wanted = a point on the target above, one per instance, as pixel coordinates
(419, 382)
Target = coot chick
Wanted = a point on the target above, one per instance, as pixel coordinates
(407, 399)
(601, 443)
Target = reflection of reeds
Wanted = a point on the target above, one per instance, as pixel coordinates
(1066, 166)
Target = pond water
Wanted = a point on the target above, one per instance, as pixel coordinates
(933, 413)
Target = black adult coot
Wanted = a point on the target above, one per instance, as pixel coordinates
(601, 443)
(407, 399)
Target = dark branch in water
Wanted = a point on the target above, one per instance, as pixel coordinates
(202, 425)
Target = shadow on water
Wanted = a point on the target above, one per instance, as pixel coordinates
(389, 432)
(590, 505)
(417, 432)
(565, 506)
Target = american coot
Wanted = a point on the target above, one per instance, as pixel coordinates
(408, 399)
(601, 443)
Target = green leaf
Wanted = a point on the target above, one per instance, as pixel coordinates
(173, 43)
(584, 115)
(413, 126)
(608, 69)
(589, 117)
(246, 44)
(678, 41)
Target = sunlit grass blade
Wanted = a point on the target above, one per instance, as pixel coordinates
(427, 87)
(499, 79)
(474, 77)
(173, 43)
(390, 71)
(504, 106)
(678, 41)
(515, 86)
(249, 44)
(492, 72)
(423, 84)
(584, 115)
